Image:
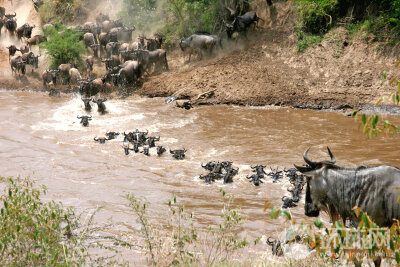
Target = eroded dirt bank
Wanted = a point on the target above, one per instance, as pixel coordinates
(341, 72)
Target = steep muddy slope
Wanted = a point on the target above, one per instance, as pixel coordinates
(340, 72)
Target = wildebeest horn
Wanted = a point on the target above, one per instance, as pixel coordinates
(307, 160)
(270, 242)
(90, 117)
(333, 159)
(95, 139)
(283, 198)
(78, 117)
(290, 189)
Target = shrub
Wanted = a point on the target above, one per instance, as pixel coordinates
(63, 45)
(317, 16)
(36, 233)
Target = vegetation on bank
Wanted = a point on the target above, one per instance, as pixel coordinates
(63, 45)
(379, 17)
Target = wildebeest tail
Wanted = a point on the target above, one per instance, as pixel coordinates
(166, 61)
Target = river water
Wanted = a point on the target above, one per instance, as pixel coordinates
(41, 137)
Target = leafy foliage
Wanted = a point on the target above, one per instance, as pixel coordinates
(183, 243)
(372, 125)
(36, 233)
(63, 45)
(335, 242)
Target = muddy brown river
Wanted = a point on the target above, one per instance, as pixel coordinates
(41, 137)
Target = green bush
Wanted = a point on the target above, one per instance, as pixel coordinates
(317, 16)
(63, 45)
(36, 233)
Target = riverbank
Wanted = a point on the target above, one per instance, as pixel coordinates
(344, 71)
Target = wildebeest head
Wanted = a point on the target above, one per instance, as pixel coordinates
(160, 150)
(101, 140)
(255, 179)
(86, 102)
(178, 154)
(28, 30)
(112, 135)
(288, 202)
(100, 105)
(126, 149)
(85, 120)
(315, 170)
(146, 151)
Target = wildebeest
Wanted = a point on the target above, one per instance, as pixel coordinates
(35, 40)
(86, 102)
(74, 76)
(11, 23)
(85, 120)
(91, 87)
(91, 27)
(104, 39)
(90, 41)
(275, 247)
(126, 149)
(49, 76)
(24, 49)
(107, 25)
(25, 31)
(2, 12)
(101, 140)
(230, 173)
(101, 108)
(259, 169)
(158, 58)
(31, 60)
(112, 48)
(198, 43)
(241, 23)
(64, 71)
(129, 73)
(255, 179)
(37, 4)
(12, 49)
(337, 190)
(288, 202)
(275, 175)
(111, 135)
(155, 42)
(89, 61)
(146, 151)
(101, 17)
(111, 62)
(151, 141)
(17, 64)
(178, 154)
(160, 150)
(136, 147)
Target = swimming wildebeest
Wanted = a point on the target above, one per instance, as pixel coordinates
(241, 23)
(101, 140)
(288, 202)
(255, 179)
(151, 141)
(178, 154)
(85, 120)
(275, 175)
(230, 173)
(160, 150)
(111, 135)
(126, 148)
(101, 108)
(146, 151)
(198, 43)
(259, 169)
(49, 76)
(86, 102)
